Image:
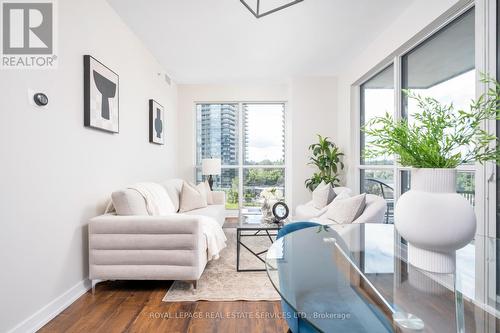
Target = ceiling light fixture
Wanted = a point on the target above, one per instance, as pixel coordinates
(257, 11)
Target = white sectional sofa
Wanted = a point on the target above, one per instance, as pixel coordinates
(131, 245)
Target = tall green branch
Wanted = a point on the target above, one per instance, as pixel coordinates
(439, 135)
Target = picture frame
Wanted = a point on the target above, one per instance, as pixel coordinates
(156, 123)
(101, 102)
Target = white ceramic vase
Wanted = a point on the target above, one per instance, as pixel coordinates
(434, 219)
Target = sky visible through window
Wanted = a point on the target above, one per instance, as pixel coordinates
(459, 90)
(264, 133)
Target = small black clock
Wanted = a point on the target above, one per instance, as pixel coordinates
(280, 211)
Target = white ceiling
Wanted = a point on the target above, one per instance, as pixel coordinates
(220, 41)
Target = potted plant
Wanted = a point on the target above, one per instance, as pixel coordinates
(432, 217)
(326, 157)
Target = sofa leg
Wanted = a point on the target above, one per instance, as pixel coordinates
(194, 284)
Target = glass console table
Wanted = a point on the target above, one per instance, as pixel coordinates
(356, 278)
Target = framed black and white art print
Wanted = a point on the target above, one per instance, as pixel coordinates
(156, 123)
(101, 96)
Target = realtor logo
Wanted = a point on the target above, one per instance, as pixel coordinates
(28, 32)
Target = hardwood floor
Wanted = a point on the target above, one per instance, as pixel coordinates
(136, 306)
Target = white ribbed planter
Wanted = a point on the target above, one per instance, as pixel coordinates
(434, 219)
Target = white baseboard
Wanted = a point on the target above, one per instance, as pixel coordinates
(49, 311)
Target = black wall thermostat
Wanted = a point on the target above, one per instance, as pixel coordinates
(41, 99)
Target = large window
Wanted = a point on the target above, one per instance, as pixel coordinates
(442, 67)
(250, 140)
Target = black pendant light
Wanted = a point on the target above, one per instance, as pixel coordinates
(258, 13)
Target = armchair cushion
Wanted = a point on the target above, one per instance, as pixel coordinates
(308, 211)
(374, 212)
(346, 210)
(342, 189)
(322, 195)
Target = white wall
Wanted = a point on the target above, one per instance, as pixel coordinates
(419, 15)
(313, 102)
(55, 173)
(311, 110)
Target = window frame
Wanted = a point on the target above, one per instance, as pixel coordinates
(486, 48)
(240, 166)
(396, 60)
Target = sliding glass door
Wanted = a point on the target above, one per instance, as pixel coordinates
(377, 174)
(441, 66)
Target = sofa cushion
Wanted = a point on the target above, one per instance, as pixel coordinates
(322, 195)
(191, 198)
(174, 189)
(346, 210)
(204, 191)
(217, 212)
(129, 202)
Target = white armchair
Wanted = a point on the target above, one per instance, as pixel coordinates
(374, 211)
(308, 211)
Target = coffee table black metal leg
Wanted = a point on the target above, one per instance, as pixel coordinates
(268, 235)
(240, 243)
(238, 232)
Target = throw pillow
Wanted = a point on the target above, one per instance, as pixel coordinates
(202, 189)
(129, 202)
(347, 210)
(322, 195)
(192, 197)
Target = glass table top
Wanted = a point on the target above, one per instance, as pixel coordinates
(255, 221)
(356, 278)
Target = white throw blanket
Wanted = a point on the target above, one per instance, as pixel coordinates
(158, 203)
(157, 200)
(216, 239)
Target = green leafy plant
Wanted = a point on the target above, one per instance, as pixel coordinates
(439, 135)
(326, 156)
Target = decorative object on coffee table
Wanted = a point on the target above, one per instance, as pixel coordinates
(100, 96)
(432, 217)
(268, 198)
(280, 211)
(211, 167)
(156, 123)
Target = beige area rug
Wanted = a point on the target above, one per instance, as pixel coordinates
(221, 282)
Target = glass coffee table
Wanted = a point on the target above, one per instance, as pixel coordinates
(251, 224)
(357, 278)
